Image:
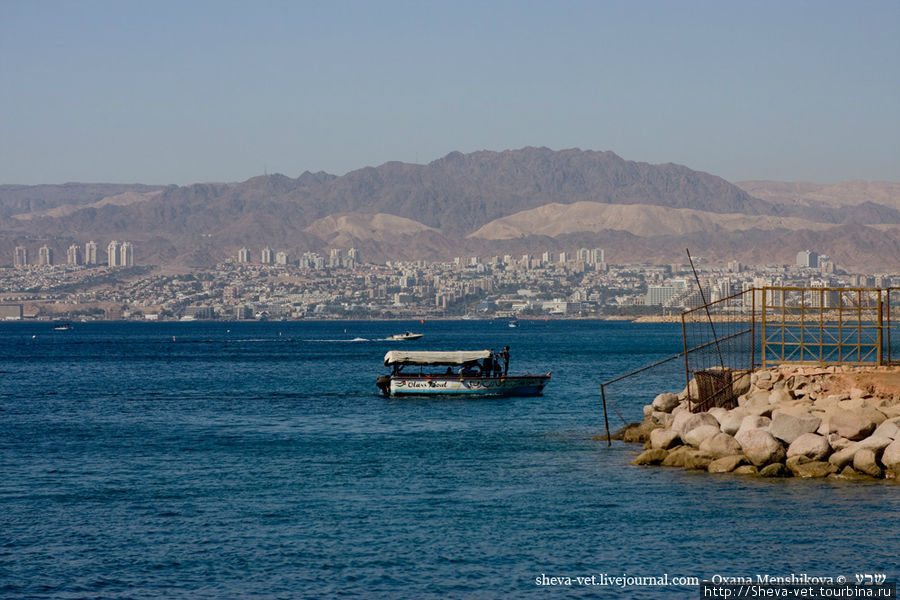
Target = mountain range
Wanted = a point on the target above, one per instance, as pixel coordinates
(528, 200)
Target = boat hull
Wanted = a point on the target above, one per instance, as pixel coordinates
(513, 385)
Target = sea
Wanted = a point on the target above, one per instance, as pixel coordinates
(259, 460)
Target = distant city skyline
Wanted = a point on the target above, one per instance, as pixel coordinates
(180, 93)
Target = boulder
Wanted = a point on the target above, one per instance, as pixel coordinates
(875, 443)
(774, 470)
(695, 460)
(813, 468)
(810, 445)
(779, 396)
(647, 410)
(665, 402)
(681, 417)
(866, 461)
(663, 419)
(752, 422)
(746, 470)
(758, 404)
(696, 436)
(852, 474)
(676, 457)
(760, 447)
(653, 456)
(720, 444)
(890, 458)
(664, 439)
(889, 429)
(788, 427)
(719, 413)
(695, 421)
(848, 424)
(843, 457)
(638, 433)
(740, 382)
(837, 442)
(726, 464)
(731, 421)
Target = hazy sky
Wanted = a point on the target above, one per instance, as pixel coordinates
(179, 92)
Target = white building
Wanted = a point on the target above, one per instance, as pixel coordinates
(21, 256)
(73, 255)
(45, 256)
(112, 254)
(126, 255)
(90, 253)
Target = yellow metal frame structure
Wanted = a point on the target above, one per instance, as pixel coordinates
(823, 326)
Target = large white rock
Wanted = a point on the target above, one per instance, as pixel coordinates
(865, 461)
(697, 435)
(719, 413)
(720, 444)
(810, 445)
(843, 457)
(681, 417)
(752, 422)
(664, 438)
(779, 396)
(665, 402)
(891, 456)
(664, 419)
(788, 427)
(695, 421)
(758, 404)
(760, 447)
(850, 425)
(875, 442)
(731, 421)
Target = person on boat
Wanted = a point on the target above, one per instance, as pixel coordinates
(487, 366)
(496, 360)
(505, 354)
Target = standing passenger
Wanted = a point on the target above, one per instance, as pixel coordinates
(505, 360)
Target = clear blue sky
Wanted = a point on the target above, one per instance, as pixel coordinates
(188, 91)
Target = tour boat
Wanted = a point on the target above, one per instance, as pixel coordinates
(405, 336)
(468, 373)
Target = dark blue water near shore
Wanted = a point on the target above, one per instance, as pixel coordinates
(200, 460)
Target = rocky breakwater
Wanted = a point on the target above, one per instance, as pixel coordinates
(789, 421)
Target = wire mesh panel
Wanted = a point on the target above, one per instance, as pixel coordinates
(719, 339)
(821, 326)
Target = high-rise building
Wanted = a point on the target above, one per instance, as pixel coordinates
(45, 256)
(563, 257)
(808, 259)
(266, 256)
(90, 253)
(112, 254)
(126, 255)
(21, 256)
(281, 258)
(597, 256)
(335, 258)
(352, 258)
(244, 255)
(73, 255)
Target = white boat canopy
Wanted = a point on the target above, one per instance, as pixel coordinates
(455, 357)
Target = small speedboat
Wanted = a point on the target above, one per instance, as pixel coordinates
(513, 323)
(62, 327)
(406, 335)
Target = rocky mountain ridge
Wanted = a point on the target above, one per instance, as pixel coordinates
(515, 201)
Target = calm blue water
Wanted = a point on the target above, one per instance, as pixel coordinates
(255, 460)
